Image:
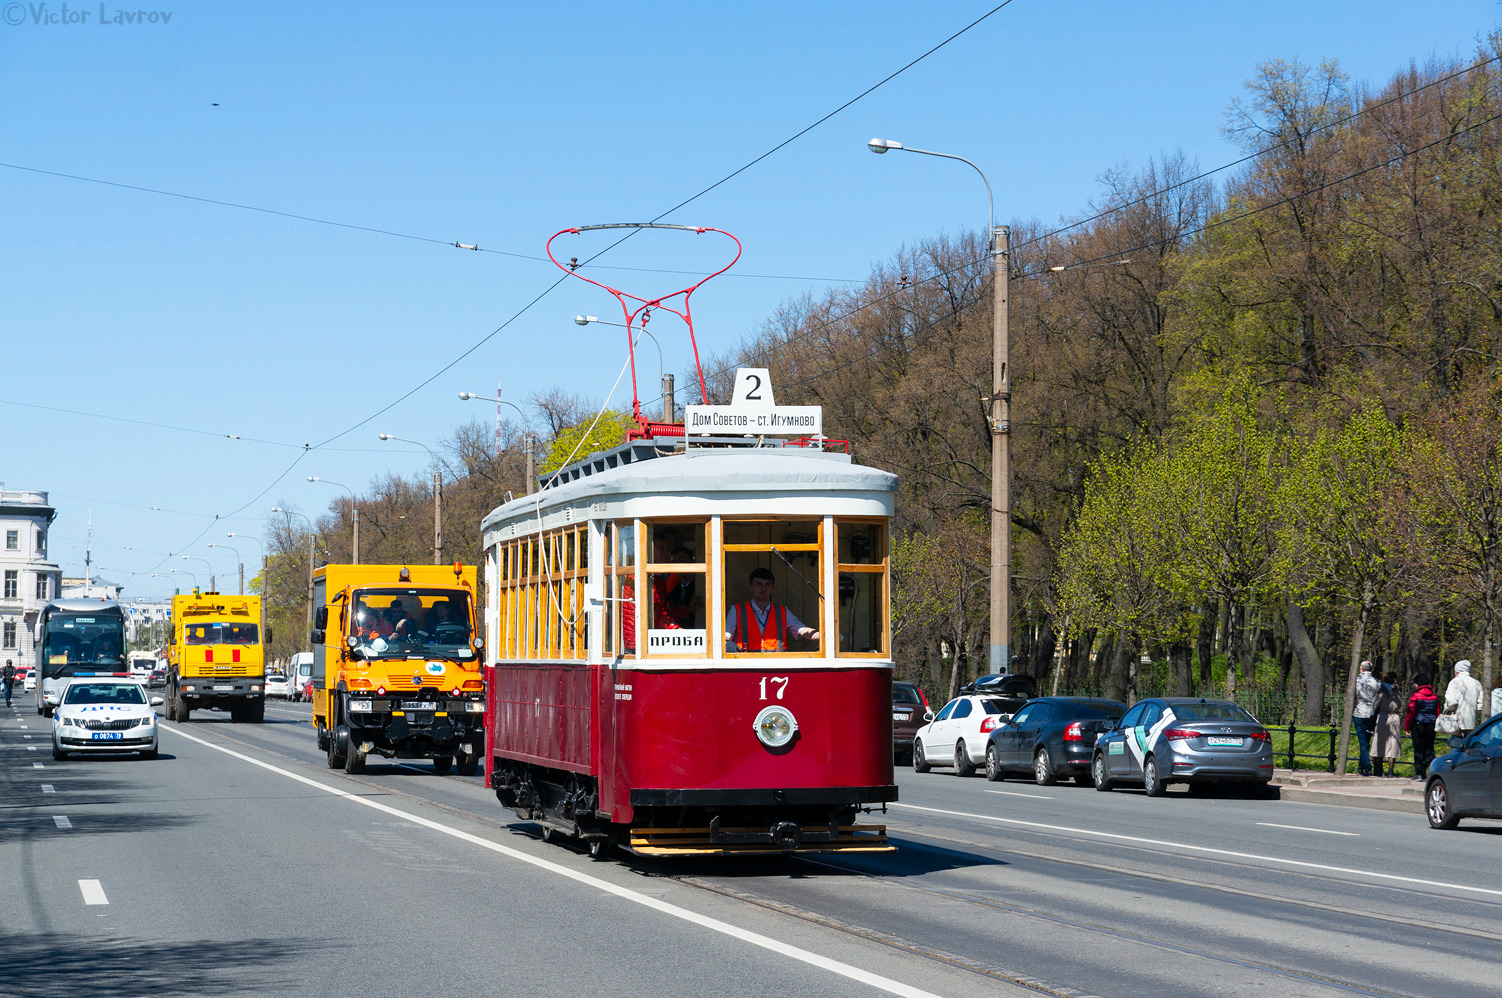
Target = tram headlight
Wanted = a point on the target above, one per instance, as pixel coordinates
(775, 726)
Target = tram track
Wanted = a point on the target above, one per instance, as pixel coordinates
(1000, 974)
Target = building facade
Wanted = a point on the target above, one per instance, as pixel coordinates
(28, 581)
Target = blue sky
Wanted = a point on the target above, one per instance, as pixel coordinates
(499, 124)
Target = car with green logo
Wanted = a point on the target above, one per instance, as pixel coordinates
(1166, 740)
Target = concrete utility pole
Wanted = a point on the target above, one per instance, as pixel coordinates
(667, 398)
(999, 414)
(1001, 455)
(437, 517)
(531, 464)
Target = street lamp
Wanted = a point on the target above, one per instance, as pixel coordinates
(526, 434)
(437, 496)
(1000, 417)
(662, 375)
(184, 571)
(212, 586)
(355, 554)
(312, 535)
(239, 562)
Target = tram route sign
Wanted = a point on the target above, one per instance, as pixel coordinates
(753, 410)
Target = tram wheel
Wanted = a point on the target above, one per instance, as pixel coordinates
(600, 848)
(547, 833)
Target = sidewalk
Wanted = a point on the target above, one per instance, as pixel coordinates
(1313, 786)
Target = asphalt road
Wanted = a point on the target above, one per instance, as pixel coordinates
(238, 863)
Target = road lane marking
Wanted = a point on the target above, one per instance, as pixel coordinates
(37, 765)
(63, 822)
(47, 789)
(93, 893)
(1204, 849)
(1301, 828)
(1013, 793)
(31, 748)
(25, 736)
(704, 921)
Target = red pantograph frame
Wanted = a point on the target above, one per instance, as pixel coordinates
(645, 308)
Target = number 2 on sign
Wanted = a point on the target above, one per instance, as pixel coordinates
(780, 681)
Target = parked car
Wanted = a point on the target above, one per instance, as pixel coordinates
(1051, 737)
(1015, 689)
(1467, 780)
(278, 685)
(909, 713)
(1182, 740)
(957, 736)
(97, 715)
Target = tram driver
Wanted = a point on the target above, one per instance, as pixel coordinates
(760, 624)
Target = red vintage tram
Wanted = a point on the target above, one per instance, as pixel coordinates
(690, 632)
(636, 694)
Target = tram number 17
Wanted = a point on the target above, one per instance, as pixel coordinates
(781, 682)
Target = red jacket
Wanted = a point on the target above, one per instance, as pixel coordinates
(1423, 705)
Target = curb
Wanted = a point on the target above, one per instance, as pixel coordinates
(1404, 805)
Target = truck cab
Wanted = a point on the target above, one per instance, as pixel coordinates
(396, 665)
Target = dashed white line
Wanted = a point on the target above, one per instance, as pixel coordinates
(37, 765)
(25, 736)
(1013, 793)
(1208, 850)
(47, 789)
(31, 748)
(63, 822)
(1301, 828)
(93, 892)
(809, 957)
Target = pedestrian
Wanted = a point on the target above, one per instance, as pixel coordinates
(8, 678)
(1365, 715)
(1418, 721)
(1497, 695)
(1463, 698)
(1387, 746)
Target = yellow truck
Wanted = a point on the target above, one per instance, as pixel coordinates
(215, 659)
(396, 665)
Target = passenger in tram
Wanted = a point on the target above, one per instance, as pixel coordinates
(761, 625)
(672, 592)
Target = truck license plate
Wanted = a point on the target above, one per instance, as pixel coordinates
(106, 736)
(217, 688)
(418, 705)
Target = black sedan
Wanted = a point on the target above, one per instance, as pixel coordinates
(1467, 781)
(1051, 737)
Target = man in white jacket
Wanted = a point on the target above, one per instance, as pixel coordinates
(1463, 698)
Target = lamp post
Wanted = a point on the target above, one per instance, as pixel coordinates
(1000, 417)
(437, 496)
(662, 375)
(239, 563)
(312, 535)
(355, 515)
(262, 548)
(212, 586)
(184, 571)
(526, 435)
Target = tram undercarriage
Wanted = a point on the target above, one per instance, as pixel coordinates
(568, 802)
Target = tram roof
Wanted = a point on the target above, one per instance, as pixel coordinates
(641, 467)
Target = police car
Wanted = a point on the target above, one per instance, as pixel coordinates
(105, 715)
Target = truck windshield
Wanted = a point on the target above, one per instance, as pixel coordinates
(74, 642)
(221, 634)
(411, 622)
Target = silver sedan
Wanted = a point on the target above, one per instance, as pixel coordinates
(1182, 740)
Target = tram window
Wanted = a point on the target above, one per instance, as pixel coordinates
(785, 615)
(620, 603)
(675, 576)
(862, 607)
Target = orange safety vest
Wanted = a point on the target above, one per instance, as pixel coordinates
(748, 633)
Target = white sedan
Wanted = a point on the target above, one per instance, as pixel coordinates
(959, 734)
(278, 685)
(105, 715)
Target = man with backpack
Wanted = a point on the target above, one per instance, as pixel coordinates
(8, 677)
(1418, 721)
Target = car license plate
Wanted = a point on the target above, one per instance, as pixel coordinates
(418, 705)
(1218, 741)
(223, 688)
(106, 736)
(901, 717)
